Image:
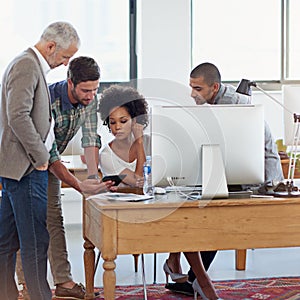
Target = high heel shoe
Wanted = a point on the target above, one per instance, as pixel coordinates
(176, 277)
(198, 290)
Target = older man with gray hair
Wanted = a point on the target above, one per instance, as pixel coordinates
(26, 136)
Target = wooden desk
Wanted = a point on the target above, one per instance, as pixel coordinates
(167, 224)
(285, 168)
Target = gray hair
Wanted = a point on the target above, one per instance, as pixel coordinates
(62, 33)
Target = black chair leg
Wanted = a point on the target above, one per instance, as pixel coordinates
(97, 262)
(154, 269)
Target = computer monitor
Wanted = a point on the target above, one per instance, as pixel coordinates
(181, 133)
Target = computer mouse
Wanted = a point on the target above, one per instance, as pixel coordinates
(159, 191)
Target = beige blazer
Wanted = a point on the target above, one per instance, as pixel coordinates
(25, 116)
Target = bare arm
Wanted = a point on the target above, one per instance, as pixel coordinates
(138, 147)
(137, 150)
(62, 173)
(141, 157)
(92, 159)
(89, 186)
(135, 179)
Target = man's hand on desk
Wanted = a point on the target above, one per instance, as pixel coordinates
(95, 186)
(91, 186)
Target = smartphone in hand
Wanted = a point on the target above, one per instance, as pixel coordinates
(116, 178)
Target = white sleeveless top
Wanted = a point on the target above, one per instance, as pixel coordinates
(112, 164)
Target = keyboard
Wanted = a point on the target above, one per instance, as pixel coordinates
(186, 189)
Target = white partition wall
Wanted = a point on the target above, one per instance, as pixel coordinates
(273, 111)
(291, 100)
(164, 39)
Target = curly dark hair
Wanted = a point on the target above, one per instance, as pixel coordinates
(127, 97)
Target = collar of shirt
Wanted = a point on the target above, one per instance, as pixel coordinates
(45, 66)
(220, 93)
(228, 95)
(60, 90)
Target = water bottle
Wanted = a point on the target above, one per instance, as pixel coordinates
(147, 188)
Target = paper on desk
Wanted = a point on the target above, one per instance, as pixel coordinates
(127, 197)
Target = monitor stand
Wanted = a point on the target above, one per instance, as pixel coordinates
(214, 184)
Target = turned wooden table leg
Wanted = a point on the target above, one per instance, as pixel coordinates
(89, 267)
(109, 279)
(240, 259)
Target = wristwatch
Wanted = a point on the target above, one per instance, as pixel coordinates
(94, 176)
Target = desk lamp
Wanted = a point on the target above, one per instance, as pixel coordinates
(288, 188)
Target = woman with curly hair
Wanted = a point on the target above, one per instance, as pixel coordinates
(125, 112)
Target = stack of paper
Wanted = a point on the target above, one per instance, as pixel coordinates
(128, 197)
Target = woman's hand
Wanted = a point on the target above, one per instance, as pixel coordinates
(139, 182)
(137, 129)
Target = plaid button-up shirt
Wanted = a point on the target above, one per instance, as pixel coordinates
(68, 119)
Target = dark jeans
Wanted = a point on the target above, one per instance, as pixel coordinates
(207, 259)
(23, 225)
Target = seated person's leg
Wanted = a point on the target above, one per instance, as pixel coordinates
(172, 268)
(207, 259)
(202, 285)
(186, 287)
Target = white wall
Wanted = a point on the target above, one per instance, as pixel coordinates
(164, 57)
(273, 112)
(164, 39)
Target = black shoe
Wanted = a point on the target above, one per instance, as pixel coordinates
(182, 288)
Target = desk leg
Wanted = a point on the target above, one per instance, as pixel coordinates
(89, 266)
(240, 259)
(109, 279)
